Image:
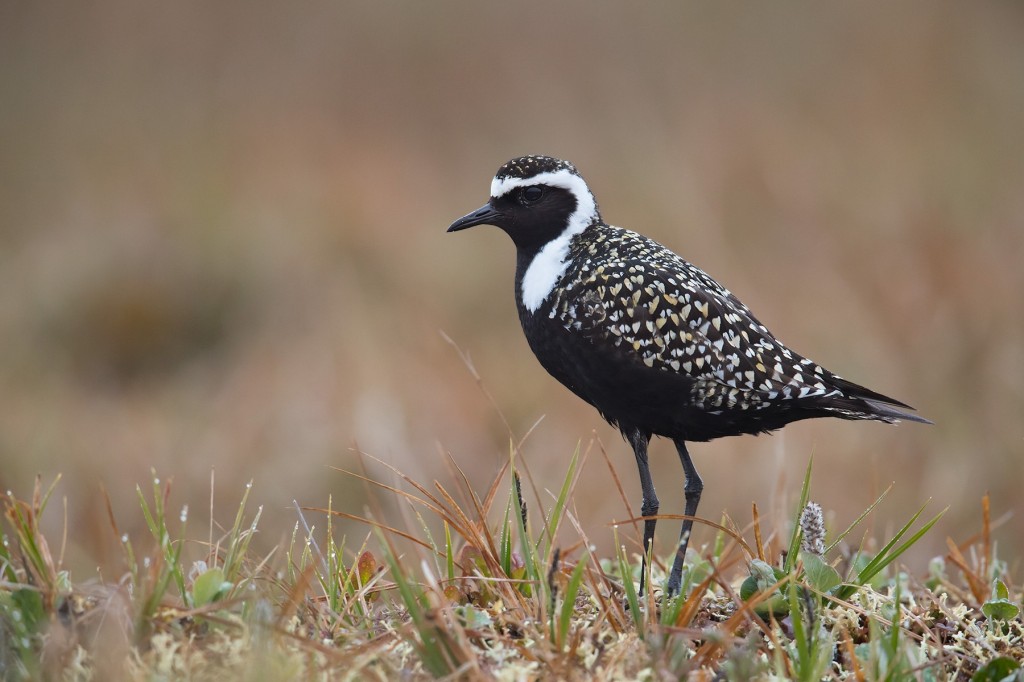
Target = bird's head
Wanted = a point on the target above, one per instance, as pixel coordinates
(535, 199)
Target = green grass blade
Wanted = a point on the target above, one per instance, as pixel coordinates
(632, 599)
(147, 514)
(531, 561)
(431, 652)
(450, 558)
(569, 602)
(885, 557)
(46, 496)
(880, 560)
(238, 540)
(803, 650)
(887, 554)
(555, 518)
(794, 540)
(670, 608)
(505, 540)
(839, 538)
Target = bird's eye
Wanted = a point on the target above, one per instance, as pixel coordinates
(532, 194)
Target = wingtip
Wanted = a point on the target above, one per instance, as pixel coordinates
(888, 412)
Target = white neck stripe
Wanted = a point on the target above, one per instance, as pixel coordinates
(548, 265)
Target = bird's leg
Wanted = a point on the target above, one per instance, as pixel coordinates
(692, 490)
(649, 507)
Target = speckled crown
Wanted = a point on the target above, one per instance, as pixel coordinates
(529, 166)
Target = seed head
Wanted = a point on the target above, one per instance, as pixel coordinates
(812, 523)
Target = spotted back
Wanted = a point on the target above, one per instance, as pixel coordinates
(628, 291)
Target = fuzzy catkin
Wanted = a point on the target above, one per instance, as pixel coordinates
(812, 523)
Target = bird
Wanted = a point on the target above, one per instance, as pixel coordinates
(651, 341)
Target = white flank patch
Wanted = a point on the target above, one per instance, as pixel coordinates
(549, 263)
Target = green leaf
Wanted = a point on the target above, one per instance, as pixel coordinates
(819, 573)
(749, 588)
(1001, 669)
(30, 603)
(209, 586)
(762, 577)
(473, 618)
(367, 566)
(1000, 607)
(936, 573)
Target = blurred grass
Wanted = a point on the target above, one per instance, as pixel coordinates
(519, 598)
(221, 236)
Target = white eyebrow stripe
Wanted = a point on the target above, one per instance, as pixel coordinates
(564, 178)
(550, 262)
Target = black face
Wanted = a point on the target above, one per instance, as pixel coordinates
(532, 215)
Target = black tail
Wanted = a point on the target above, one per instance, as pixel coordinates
(863, 403)
(888, 413)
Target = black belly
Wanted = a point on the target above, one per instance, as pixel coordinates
(631, 395)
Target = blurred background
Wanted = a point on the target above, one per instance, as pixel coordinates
(222, 244)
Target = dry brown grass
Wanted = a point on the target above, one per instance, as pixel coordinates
(509, 589)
